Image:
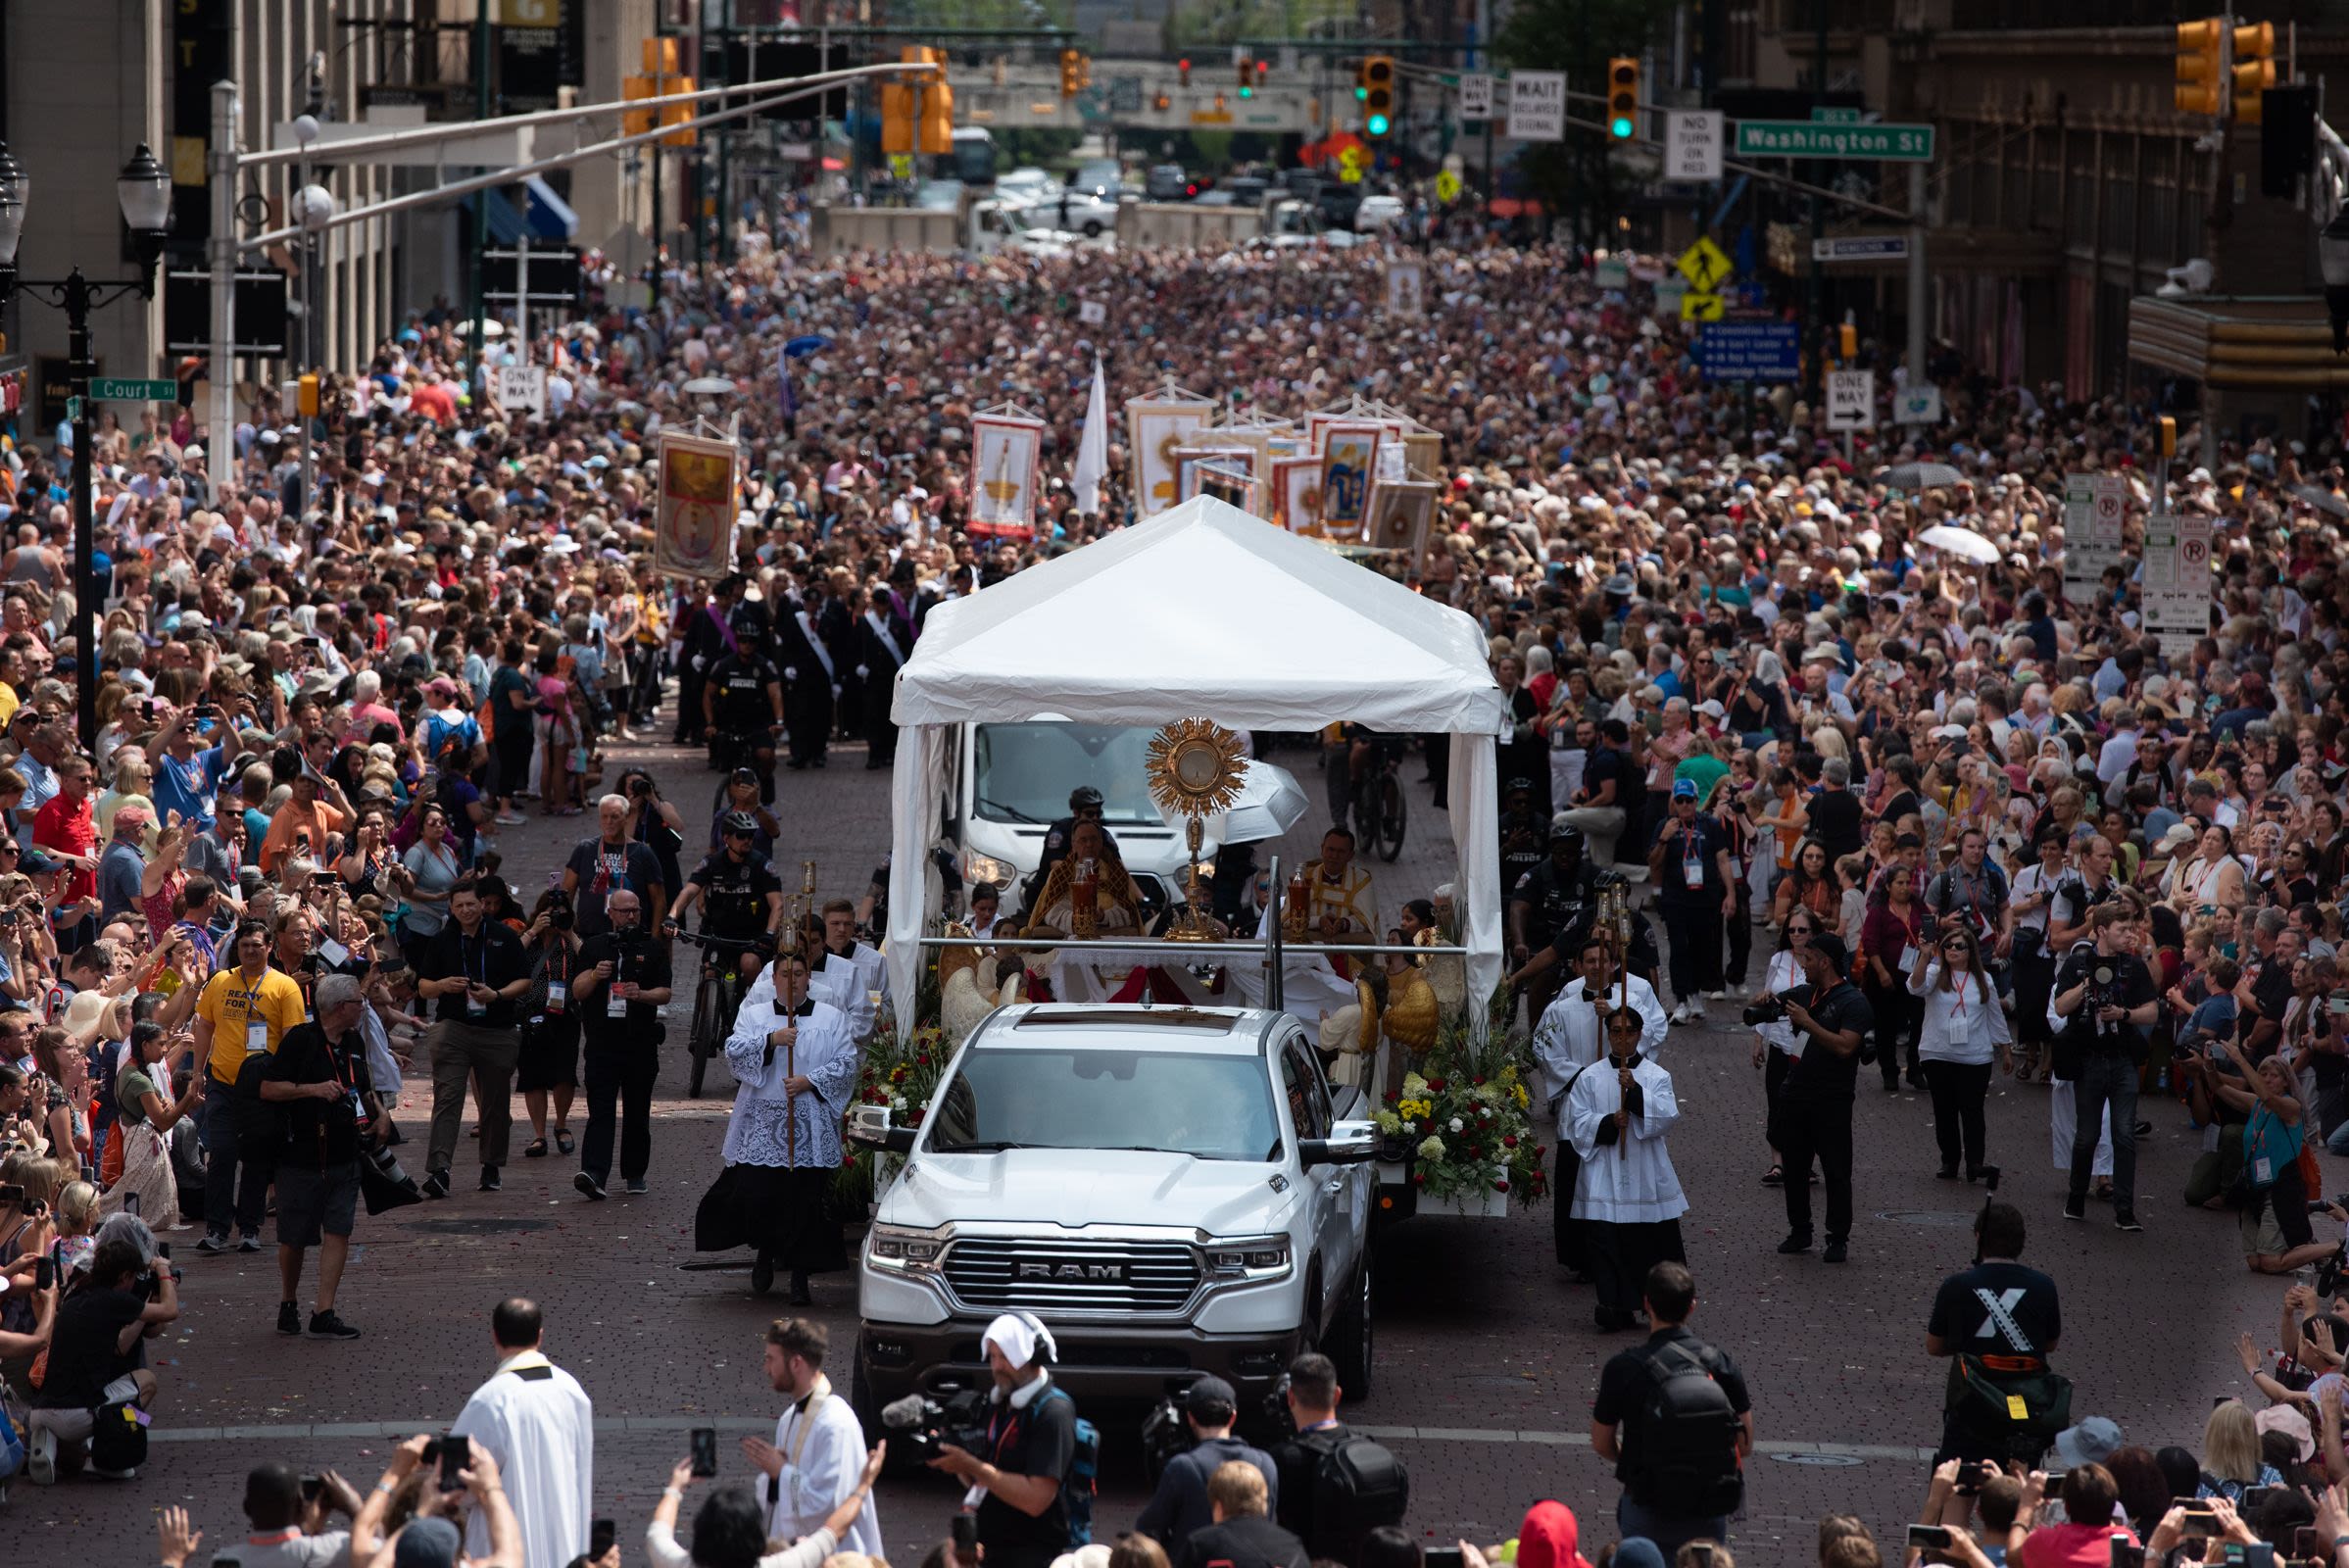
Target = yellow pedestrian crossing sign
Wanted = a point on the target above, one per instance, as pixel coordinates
(1706, 267)
(1351, 164)
(1696, 306)
(1448, 186)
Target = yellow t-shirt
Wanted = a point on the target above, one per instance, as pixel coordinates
(9, 703)
(231, 1007)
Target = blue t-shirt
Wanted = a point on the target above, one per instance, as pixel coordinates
(187, 786)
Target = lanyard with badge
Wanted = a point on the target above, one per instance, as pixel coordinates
(616, 1004)
(257, 1029)
(475, 1008)
(559, 974)
(1692, 857)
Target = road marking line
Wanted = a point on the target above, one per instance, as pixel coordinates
(621, 1426)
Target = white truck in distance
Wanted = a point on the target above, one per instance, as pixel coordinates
(1175, 1191)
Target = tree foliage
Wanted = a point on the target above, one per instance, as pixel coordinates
(1573, 177)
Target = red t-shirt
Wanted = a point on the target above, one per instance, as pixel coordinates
(70, 830)
(2070, 1545)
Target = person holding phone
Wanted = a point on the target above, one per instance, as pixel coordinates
(729, 1529)
(435, 1533)
(287, 1512)
(538, 1425)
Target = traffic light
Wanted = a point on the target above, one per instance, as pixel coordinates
(1623, 97)
(1247, 70)
(897, 119)
(1072, 76)
(1183, 70)
(937, 100)
(1375, 87)
(1847, 342)
(2254, 69)
(1162, 103)
(2201, 46)
(2167, 429)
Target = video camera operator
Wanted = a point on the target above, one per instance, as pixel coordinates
(97, 1368)
(1997, 1322)
(2104, 1001)
(1179, 1509)
(1031, 1442)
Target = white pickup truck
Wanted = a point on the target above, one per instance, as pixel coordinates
(1175, 1191)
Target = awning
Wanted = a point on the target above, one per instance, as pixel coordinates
(551, 217)
(543, 215)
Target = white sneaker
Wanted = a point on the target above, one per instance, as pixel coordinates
(1679, 1015)
(40, 1460)
(1696, 1008)
(1716, 995)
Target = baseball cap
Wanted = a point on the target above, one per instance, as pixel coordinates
(428, 1544)
(2090, 1441)
(1830, 946)
(34, 864)
(1210, 1400)
(1683, 789)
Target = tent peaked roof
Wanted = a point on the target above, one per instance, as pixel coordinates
(1203, 609)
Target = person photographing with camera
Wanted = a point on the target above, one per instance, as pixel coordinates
(1180, 1507)
(98, 1377)
(1334, 1485)
(1997, 1322)
(1812, 1119)
(2104, 1001)
(1030, 1439)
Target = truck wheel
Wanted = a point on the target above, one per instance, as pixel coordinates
(1093, 229)
(1351, 1344)
(898, 1460)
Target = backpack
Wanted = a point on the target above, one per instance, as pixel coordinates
(1359, 1485)
(117, 1438)
(1077, 1488)
(1684, 1461)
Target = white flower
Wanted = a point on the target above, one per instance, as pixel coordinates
(1456, 1124)
(1430, 1149)
(1410, 1126)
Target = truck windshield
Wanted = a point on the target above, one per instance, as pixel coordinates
(1211, 1106)
(1023, 772)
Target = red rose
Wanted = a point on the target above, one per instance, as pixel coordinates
(1508, 1140)
(1500, 1187)
(1395, 1096)
(1477, 1082)
(923, 1059)
(1475, 1153)
(1437, 1084)
(914, 1118)
(1419, 1178)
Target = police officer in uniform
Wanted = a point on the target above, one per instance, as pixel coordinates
(811, 686)
(1550, 913)
(737, 892)
(744, 697)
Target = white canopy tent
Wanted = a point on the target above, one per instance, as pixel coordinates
(1201, 610)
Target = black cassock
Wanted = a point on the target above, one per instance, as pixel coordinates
(880, 665)
(809, 672)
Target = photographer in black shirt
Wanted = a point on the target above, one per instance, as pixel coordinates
(2104, 1001)
(1031, 1442)
(1997, 1322)
(1812, 1119)
(96, 1355)
(1180, 1508)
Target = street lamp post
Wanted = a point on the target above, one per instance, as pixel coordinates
(143, 192)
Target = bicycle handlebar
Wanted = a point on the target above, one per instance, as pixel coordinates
(705, 939)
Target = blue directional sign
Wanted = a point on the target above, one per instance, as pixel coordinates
(1750, 351)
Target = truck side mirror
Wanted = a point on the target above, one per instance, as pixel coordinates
(869, 1127)
(1350, 1142)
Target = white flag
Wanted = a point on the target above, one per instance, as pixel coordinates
(1093, 445)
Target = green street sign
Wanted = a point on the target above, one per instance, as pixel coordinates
(1803, 138)
(123, 389)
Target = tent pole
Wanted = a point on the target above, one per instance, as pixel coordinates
(1274, 914)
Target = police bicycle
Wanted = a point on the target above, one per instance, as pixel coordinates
(1382, 813)
(716, 997)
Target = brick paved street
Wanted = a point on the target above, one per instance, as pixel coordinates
(1487, 1357)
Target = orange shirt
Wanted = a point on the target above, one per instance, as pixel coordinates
(318, 819)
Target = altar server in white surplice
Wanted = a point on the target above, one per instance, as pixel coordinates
(1627, 1201)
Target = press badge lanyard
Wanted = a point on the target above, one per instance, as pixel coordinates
(1692, 857)
(474, 1010)
(257, 1030)
(559, 991)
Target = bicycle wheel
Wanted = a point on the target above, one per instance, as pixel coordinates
(1393, 817)
(703, 1043)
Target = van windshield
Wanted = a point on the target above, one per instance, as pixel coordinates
(1179, 1102)
(1023, 772)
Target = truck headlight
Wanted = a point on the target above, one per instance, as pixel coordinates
(977, 868)
(905, 1250)
(1264, 1257)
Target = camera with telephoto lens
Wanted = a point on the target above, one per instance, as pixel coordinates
(1770, 1009)
(1166, 1436)
(924, 1426)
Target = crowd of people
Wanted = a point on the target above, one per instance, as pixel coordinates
(1977, 820)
